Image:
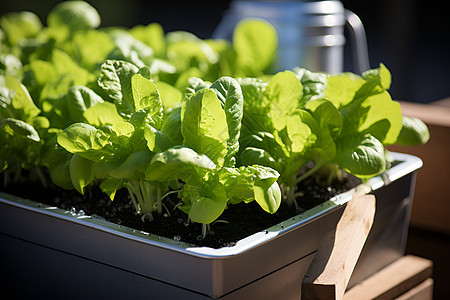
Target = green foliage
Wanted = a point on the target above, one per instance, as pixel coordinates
(343, 120)
(255, 42)
(155, 113)
(20, 25)
(73, 16)
(414, 132)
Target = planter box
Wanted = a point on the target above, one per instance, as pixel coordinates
(60, 254)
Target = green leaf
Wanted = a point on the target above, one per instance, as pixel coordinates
(414, 132)
(268, 106)
(252, 156)
(255, 42)
(299, 130)
(65, 65)
(81, 173)
(146, 97)
(268, 197)
(131, 167)
(256, 106)
(362, 156)
(85, 140)
(252, 182)
(182, 82)
(342, 88)
(204, 203)
(20, 144)
(186, 51)
(79, 99)
(383, 119)
(40, 122)
(152, 35)
(156, 140)
(162, 69)
(57, 160)
(20, 25)
(283, 93)
(22, 128)
(314, 84)
(121, 132)
(178, 163)
(42, 71)
(326, 114)
(60, 175)
(271, 143)
(22, 105)
(6, 98)
(115, 80)
(204, 126)
(129, 48)
(11, 65)
(91, 48)
(102, 113)
(75, 15)
(330, 123)
(195, 85)
(229, 94)
(171, 97)
(380, 77)
(171, 127)
(110, 186)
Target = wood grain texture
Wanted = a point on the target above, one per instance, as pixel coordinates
(423, 291)
(430, 205)
(333, 264)
(394, 280)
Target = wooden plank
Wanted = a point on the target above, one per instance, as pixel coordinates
(429, 113)
(430, 204)
(393, 280)
(424, 291)
(333, 264)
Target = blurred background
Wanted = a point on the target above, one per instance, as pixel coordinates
(411, 37)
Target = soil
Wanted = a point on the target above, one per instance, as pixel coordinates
(237, 221)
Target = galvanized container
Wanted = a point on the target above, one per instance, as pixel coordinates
(51, 253)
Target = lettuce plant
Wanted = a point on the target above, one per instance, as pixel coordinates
(158, 113)
(210, 123)
(299, 118)
(22, 129)
(148, 152)
(116, 147)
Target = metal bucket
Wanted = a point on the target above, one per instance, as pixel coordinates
(310, 33)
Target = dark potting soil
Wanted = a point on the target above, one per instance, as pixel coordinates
(237, 221)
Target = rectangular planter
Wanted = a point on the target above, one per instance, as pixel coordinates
(59, 254)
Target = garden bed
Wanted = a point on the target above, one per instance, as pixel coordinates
(237, 222)
(76, 243)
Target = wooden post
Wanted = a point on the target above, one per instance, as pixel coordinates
(333, 264)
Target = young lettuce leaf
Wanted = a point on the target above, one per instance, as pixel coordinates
(414, 132)
(204, 125)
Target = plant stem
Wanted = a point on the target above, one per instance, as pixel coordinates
(147, 196)
(5, 178)
(133, 198)
(167, 194)
(158, 200)
(205, 229)
(41, 177)
(291, 197)
(18, 173)
(308, 173)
